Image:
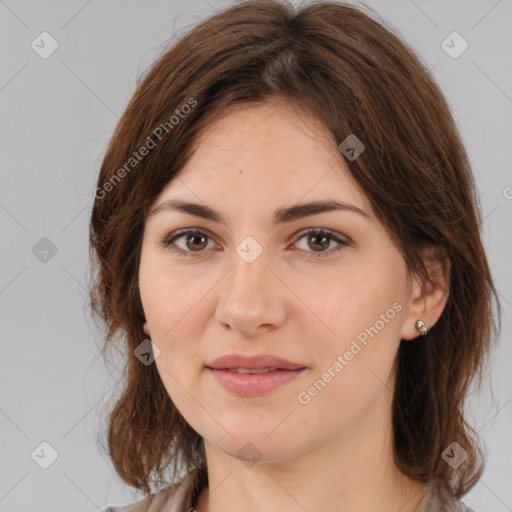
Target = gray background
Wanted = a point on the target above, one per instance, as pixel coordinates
(56, 117)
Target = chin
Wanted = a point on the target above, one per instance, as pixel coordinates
(251, 446)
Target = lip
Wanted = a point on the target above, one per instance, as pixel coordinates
(256, 384)
(251, 362)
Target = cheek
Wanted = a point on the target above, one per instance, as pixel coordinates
(355, 367)
(174, 306)
(359, 314)
(345, 301)
(168, 297)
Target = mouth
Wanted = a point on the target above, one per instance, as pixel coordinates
(249, 382)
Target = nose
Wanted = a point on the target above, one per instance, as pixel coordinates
(252, 297)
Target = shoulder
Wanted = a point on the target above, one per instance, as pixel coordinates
(175, 497)
(439, 499)
(168, 497)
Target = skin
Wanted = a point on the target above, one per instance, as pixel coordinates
(338, 447)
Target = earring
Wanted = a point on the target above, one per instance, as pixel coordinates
(422, 327)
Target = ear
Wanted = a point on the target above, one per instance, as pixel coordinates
(146, 329)
(426, 301)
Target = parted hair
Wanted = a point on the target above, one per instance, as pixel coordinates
(354, 73)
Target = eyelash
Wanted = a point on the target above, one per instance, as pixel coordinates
(167, 242)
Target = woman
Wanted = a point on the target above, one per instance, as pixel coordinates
(287, 237)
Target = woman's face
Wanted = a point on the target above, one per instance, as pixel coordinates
(250, 286)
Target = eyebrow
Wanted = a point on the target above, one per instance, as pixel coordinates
(281, 215)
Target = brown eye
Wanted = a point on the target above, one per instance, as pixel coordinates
(198, 240)
(187, 242)
(319, 242)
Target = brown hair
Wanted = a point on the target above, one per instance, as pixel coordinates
(335, 62)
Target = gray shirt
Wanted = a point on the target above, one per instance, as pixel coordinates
(180, 497)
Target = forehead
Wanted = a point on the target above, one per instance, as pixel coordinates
(267, 147)
(281, 125)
